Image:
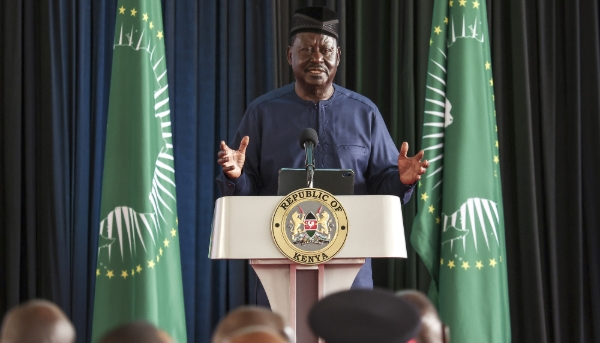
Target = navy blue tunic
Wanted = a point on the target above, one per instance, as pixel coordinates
(352, 135)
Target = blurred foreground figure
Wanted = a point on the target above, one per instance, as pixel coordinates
(37, 321)
(432, 328)
(360, 315)
(249, 324)
(137, 332)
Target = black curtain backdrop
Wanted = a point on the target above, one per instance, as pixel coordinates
(54, 83)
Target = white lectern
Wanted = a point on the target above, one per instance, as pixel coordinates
(241, 230)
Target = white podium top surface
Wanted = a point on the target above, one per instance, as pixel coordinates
(241, 227)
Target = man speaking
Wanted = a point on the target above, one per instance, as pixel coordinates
(351, 131)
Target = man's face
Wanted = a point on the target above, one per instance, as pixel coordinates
(314, 58)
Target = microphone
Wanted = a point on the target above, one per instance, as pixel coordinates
(308, 141)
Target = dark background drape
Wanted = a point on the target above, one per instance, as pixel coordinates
(54, 82)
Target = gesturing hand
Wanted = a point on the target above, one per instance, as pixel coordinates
(410, 168)
(232, 161)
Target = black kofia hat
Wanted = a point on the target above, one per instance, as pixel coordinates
(315, 19)
(361, 315)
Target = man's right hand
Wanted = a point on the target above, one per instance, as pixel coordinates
(232, 161)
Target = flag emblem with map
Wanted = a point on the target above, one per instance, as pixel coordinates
(138, 274)
(459, 228)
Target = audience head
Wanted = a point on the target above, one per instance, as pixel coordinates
(362, 315)
(250, 324)
(37, 321)
(432, 328)
(139, 332)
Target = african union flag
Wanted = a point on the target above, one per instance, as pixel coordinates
(459, 228)
(138, 275)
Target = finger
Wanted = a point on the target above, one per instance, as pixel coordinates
(228, 168)
(419, 156)
(222, 161)
(425, 164)
(224, 146)
(404, 150)
(221, 153)
(244, 144)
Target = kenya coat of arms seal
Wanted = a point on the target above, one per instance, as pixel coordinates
(309, 226)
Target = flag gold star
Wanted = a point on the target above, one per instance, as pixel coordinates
(133, 12)
(491, 81)
(450, 3)
(446, 20)
(465, 265)
(496, 159)
(487, 65)
(173, 232)
(437, 220)
(424, 196)
(437, 30)
(132, 272)
(138, 268)
(475, 4)
(124, 274)
(159, 35)
(151, 264)
(430, 42)
(493, 262)
(160, 250)
(110, 274)
(145, 17)
(97, 272)
(166, 242)
(500, 258)
(157, 258)
(496, 128)
(151, 26)
(431, 209)
(462, 2)
(479, 265)
(451, 264)
(122, 10)
(442, 261)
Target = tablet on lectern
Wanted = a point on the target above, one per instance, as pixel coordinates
(334, 181)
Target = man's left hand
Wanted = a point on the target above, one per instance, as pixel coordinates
(410, 168)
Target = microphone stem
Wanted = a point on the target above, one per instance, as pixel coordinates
(310, 173)
(310, 165)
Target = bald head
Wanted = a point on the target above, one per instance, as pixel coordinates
(140, 332)
(249, 324)
(432, 330)
(37, 321)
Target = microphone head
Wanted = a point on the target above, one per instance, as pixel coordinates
(308, 134)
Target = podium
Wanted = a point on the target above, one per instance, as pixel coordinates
(241, 230)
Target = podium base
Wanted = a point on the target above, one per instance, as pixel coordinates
(302, 286)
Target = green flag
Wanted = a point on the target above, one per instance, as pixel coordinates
(459, 228)
(138, 276)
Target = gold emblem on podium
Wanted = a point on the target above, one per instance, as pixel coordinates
(309, 226)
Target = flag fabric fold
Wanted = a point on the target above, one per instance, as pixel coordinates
(138, 274)
(459, 228)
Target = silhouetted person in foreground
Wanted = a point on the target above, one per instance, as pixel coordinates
(37, 321)
(360, 315)
(249, 324)
(136, 332)
(432, 328)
